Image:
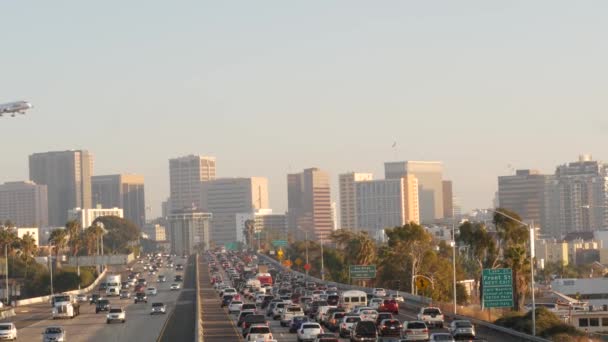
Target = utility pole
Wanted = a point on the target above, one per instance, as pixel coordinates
(322, 265)
(454, 262)
(51, 267)
(306, 240)
(6, 265)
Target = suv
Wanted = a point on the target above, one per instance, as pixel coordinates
(253, 319)
(102, 305)
(462, 329)
(347, 323)
(8, 331)
(289, 312)
(415, 331)
(431, 316)
(309, 331)
(258, 331)
(140, 297)
(364, 331)
(390, 327)
(116, 314)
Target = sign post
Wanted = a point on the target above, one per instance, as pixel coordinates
(497, 288)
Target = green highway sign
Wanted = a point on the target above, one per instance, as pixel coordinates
(362, 271)
(497, 288)
(231, 246)
(279, 243)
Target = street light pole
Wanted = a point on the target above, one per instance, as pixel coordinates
(6, 265)
(454, 263)
(532, 238)
(322, 265)
(306, 239)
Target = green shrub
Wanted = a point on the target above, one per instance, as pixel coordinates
(548, 324)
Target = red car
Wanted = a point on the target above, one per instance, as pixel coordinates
(389, 305)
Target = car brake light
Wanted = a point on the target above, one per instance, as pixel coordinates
(408, 331)
(425, 331)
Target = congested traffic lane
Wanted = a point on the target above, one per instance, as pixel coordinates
(217, 325)
(89, 326)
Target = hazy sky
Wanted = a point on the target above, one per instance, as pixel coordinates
(271, 87)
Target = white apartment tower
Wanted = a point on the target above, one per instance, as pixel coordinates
(348, 213)
(386, 203)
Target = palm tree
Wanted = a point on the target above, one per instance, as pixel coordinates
(28, 248)
(7, 240)
(74, 235)
(58, 239)
(91, 236)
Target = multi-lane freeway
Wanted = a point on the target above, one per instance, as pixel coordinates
(89, 326)
(220, 326)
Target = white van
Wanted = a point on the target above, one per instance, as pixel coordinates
(352, 298)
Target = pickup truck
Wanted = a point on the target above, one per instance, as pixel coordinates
(433, 317)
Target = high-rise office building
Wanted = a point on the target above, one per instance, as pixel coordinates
(309, 203)
(124, 191)
(226, 197)
(187, 229)
(67, 175)
(526, 194)
(448, 199)
(187, 175)
(24, 203)
(386, 203)
(430, 185)
(580, 196)
(348, 213)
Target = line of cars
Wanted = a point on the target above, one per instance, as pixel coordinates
(314, 311)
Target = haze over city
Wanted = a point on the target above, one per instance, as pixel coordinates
(272, 88)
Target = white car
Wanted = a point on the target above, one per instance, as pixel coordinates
(441, 337)
(368, 315)
(235, 306)
(151, 291)
(175, 286)
(379, 292)
(158, 308)
(81, 298)
(375, 303)
(346, 324)
(309, 331)
(228, 291)
(397, 297)
(8, 331)
(258, 332)
(116, 314)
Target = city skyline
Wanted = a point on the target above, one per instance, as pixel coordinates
(418, 74)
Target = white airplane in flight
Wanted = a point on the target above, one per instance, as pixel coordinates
(14, 107)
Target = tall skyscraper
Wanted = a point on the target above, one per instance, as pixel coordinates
(24, 203)
(430, 185)
(386, 203)
(124, 191)
(348, 213)
(187, 175)
(67, 175)
(580, 196)
(270, 226)
(187, 229)
(309, 203)
(526, 194)
(226, 197)
(448, 199)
